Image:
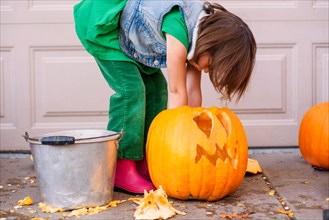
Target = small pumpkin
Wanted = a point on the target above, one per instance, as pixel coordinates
(314, 136)
(197, 153)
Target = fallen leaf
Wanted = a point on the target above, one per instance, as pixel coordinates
(136, 200)
(49, 209)
(39, 218)
(81, 211)
(114, 203)
(26, 201)
(253, 166)
(235, 215)
(32, 211)
(271, 192)
(155, 205)
(94, 210)
(78, 212)
(287, 212)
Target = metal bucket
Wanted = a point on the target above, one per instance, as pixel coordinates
(75, 168)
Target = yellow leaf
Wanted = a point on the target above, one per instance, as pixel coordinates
(82, 211)
(78, 212)
(94, 210)
(136, 200)
(271, 192)
(36, 218)
(114, 203)
(327, 199)
(26, 201)
(287, 212)
(48, 209)
(235, 215)
(253, 166)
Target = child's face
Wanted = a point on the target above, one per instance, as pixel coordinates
(202, 64)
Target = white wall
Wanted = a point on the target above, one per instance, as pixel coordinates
(49, 83)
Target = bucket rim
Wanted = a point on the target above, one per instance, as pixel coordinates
(80, 136)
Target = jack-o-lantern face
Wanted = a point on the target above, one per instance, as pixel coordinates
(197, 152)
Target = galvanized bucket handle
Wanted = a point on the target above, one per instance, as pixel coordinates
(68, 140)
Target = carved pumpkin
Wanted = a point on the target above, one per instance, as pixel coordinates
(314, 136)
(197, 152)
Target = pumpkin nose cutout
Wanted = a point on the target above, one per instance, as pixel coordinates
(205, 122)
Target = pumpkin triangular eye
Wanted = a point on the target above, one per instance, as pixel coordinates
(205, 122)
(225, 120)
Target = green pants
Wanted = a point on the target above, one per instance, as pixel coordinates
(138, 98)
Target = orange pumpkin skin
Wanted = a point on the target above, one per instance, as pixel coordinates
(314, 136)
(197, 152)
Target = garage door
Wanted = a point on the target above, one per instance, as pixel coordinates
(49, 83)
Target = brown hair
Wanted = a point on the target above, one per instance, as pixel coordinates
(232, 49)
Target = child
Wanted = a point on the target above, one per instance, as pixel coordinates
(132, 39)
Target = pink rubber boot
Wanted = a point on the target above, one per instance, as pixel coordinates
(143, 169)
(129, 179)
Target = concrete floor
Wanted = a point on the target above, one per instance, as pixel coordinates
(299, 188)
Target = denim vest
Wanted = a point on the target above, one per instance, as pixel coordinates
(141, 36)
